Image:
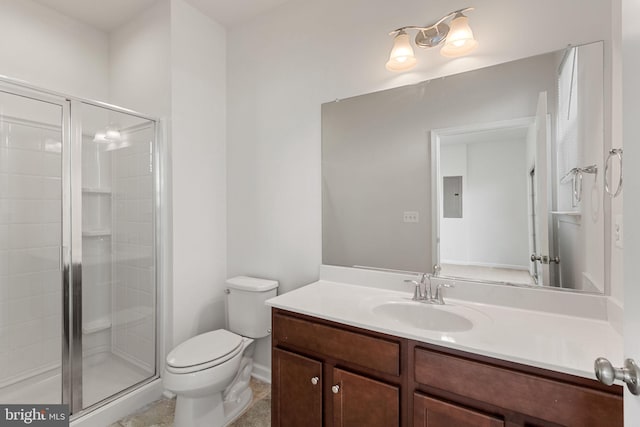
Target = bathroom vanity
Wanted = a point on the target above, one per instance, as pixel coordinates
(339, 359)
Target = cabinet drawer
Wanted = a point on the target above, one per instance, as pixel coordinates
(543, 398)
(428, 412)
(367, 351)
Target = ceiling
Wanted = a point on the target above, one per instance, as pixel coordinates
(108, 15)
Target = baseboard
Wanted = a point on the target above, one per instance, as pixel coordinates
(262, 373)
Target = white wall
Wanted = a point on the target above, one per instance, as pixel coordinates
(311, 52)
(48, 49)
(139, 62)
(170, 62)
(494, 206)
(198, 135)
(454, 231)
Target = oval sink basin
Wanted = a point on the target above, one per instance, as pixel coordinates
(424, 316)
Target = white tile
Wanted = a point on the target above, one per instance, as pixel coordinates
(21, 262)
(4, 337)
(25, 359)
(25, 162)
(52, 188)
(26, 333)
(51, 350)
(4, 266)
(25, 211)
(24, 137)
(24, 236)
(143, 164)
(5, 216)
(51, 164)
(20, 286)
(49, 258)
(4, 159)
(52, 327)
(50, 282)
(146, 279)
(4, 365)
(4, 313)
(4, 235)
(51, 235)
(25, 187)
(51, 211)
(4, 185)
(146, 233)
(51, 304)
(19, 310)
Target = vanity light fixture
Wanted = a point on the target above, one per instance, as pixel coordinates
(456, 37)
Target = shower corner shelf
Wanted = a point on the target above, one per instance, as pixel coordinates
(96, 233)
(91, 190)
(97, 325)
(567, 213)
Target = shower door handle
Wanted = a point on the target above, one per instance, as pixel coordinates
(545, 259)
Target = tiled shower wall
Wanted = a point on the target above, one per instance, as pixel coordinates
(30, 237)
(134, 296)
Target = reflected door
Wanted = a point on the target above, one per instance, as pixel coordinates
(31, 205)
(541, 192)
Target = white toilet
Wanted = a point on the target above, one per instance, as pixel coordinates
(210, 372)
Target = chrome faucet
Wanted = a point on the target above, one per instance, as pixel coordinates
(427, 295)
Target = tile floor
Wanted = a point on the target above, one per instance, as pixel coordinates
(160, 412)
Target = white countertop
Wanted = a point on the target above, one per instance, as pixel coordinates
(558, 342)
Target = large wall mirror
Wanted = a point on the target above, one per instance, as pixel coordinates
(494, 174)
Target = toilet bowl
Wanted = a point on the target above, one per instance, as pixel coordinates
(210, 373)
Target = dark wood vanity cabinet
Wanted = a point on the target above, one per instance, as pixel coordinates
(329, 374)
(505, 393)
(323, 375)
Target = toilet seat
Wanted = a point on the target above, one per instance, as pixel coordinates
(204, 351)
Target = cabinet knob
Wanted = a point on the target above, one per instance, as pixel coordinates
(314, 380)
(335, 389)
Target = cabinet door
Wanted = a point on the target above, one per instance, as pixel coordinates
(360, 401)
(428, 412)
(297, 390)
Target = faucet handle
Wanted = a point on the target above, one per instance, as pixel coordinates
(417, 293)
(439, 299)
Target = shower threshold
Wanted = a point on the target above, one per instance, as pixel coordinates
(104, 374)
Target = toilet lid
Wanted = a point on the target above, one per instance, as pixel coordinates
(204, 348)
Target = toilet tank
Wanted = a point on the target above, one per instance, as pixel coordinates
(247, 313)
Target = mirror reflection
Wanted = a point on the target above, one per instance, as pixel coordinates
(493, 174)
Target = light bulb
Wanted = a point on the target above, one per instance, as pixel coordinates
(401, 57)
(460, 39)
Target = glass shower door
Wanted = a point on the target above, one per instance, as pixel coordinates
(118, 250)
(31, 281)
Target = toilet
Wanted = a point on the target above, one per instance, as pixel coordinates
(210, 373)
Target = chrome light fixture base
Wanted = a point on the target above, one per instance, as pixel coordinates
(432, 36)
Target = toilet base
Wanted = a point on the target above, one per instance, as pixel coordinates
(210, 411)
(232, 410)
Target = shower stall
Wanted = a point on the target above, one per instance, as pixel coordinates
(79, 206)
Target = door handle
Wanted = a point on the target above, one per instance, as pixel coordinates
(629, 374)
(545, 259)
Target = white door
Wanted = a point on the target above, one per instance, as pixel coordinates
(541, 198)
(631, 193)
